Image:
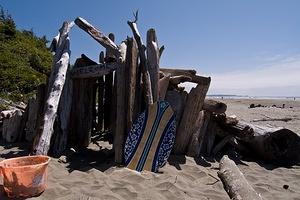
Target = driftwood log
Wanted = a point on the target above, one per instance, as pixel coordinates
(163, 85)
(12, 124)
(121, 104)
(153, 56)
(131, 70)
(189, 119)
(97, 35)
(197, 140)
(55, 88)
(177, 100)
(214, 106)
(143, 61)
(275, 144)
(235, 183)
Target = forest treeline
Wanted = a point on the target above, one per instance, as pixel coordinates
(25, 60)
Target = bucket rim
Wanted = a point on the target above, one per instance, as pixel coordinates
(17, 158)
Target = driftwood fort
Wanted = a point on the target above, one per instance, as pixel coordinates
(103, 98)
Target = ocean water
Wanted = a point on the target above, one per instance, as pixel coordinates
(220, 96)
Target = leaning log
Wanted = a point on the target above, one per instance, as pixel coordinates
(191, 112)
(97, 35)
(275, 144)
(235, 183)
(55, 88)
(143, 61)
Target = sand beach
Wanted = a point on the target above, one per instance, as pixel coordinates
(91, 174)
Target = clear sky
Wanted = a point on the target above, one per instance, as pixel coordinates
(247, 47)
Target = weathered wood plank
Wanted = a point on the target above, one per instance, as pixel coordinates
(82, 107)
(191, 112)
(94, 71)
(97, 35)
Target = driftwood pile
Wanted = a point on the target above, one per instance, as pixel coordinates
(104, 98)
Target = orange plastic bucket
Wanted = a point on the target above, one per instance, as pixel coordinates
(24, 176)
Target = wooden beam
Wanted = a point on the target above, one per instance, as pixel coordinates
(97, 35)
(94, 70)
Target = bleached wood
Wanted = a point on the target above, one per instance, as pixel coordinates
(153, 61)
(234, 181)
(97, 35)
(143, 62)
(12, 125)
(55, 87)
(187, 125)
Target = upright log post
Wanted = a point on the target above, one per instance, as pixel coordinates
(100, 109)
(108, 90)
(120, 115)
(131, 81)
(55, 88)
(153, 61)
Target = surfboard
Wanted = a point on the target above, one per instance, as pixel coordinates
(151, 138)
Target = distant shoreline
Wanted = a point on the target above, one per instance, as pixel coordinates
(225, 96)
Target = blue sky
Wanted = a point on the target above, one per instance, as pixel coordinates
(247, 47)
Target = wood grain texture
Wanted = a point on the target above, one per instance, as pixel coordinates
(190, 115)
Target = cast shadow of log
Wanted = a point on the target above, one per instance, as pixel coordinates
(86, 159)
(12, 150)
(177, 160)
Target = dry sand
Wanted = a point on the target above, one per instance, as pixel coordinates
(92, 175)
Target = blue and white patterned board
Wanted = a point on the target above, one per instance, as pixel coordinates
(151, 138)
